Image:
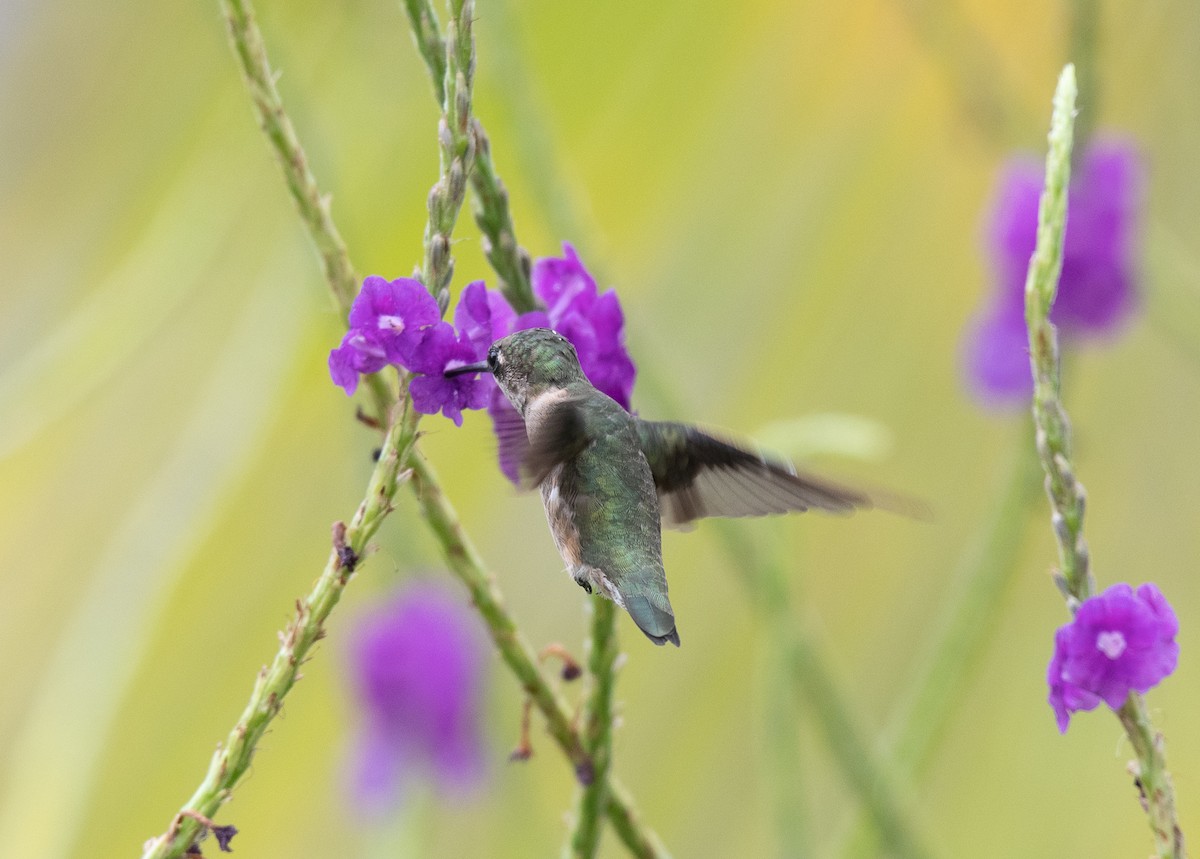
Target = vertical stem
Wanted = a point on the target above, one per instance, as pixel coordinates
(428, 39)
(492, 214)
(1052, 428)
(274, 682)
(584, 840)
(1153, 780)
(456, 146)
(1067, 497)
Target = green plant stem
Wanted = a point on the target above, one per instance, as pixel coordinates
(1153, 780)
(306, 628)
(492, 212)
(584, 839)
(456, 150)
(465, 562)
(313, 207)
(821, 696)
(427, 37)
(970, 620)
(786, 764)
(1053, 439)
(1052, 429)
(962, 635)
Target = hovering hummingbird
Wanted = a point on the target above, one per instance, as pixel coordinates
(610, 480)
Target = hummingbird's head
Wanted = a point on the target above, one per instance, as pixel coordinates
(528, 363)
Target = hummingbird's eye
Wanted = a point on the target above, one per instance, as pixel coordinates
(493, 360)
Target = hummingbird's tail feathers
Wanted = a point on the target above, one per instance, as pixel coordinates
(658, 624)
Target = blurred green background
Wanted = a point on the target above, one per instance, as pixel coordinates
(788, 196)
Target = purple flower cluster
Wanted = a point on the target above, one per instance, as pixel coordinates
(417, 664)
(595, 325)
(1096, 288)
(1120, 641)
(397, 322)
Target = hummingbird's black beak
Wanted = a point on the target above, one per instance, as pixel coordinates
(481, 367)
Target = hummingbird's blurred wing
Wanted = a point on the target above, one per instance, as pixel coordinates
(557, 435)
(699, 475)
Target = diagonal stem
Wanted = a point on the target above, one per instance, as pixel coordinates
(306, 628)
(821, 695)
(314, 208)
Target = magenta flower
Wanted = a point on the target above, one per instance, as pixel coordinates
(398, 323)
(443, 349)
(1120, 641)
(417, 664)
(1096, 293)
(387, 321)
(593, 323)
(484, 316)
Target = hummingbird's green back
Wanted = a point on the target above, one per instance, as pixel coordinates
(611, 492)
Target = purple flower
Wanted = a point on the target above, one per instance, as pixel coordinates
(387, 321)
(1120, 641)
(398, 323)
(593, 323)
(443, 349)
(417, 665)
(1096, 292)
(483, 316)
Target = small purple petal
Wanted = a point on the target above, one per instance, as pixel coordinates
(531, 319)
(442, 349)
(341, 368)
(563, 284)
(418, 668)
(437, 346)
(1119, 642)
(388, 320)
(353, 358)
(378, 766)
(997, 360)
(607, 318)
(484, 316)
(404, 299)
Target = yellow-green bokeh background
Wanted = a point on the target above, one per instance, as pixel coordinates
(788, 197)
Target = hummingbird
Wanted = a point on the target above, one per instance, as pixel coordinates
(610, 480)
